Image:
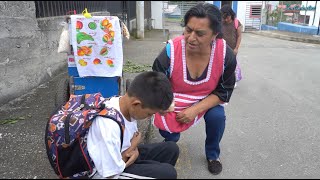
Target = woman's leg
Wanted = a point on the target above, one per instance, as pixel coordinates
(215, 124)
(169, 136)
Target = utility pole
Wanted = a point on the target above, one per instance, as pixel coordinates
(305, 14)
(314, 14)
(318, 28)
(281, 11)
(140, 19)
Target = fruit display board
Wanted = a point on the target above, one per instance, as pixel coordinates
(97, 45)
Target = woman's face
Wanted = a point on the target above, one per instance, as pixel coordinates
(197, 34)
(226, 18)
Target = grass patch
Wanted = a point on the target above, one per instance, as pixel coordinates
(135, 68)
(11, 121)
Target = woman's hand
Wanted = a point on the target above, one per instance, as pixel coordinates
(235, 51)
(187, 115)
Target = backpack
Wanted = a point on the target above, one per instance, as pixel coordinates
(66, 134)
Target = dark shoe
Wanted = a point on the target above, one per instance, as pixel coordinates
(214, 166)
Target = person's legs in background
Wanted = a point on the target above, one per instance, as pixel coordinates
(215, 125)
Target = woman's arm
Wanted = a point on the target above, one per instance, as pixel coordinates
(226, 83)
(239, 36)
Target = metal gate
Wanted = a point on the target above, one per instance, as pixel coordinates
(253, 16)
(173, 13)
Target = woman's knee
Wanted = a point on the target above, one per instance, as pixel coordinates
(215, 115)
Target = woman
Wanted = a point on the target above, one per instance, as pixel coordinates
(231, 30)
(201, 71)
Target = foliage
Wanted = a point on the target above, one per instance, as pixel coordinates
(11, 121)
(135, 68)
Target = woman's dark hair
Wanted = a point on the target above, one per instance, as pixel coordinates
(153, 89)
(227, 10)
(203, 10)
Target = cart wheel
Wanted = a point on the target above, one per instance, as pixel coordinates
(62, 92)
(128, 82)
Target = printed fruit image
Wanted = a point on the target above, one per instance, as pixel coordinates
(82, 36)
(84, 50)
(79, 25)
(82, 62)
(104, 51)
(92, 25)
(106, 26)
(110, 63)
(97, 61)
(107, 38)
(104, 22)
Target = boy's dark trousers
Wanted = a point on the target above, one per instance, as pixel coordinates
(155, 160)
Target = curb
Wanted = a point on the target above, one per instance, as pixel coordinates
(286, 37)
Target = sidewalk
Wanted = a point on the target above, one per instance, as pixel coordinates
(291, 36)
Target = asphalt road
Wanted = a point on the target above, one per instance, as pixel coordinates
(272, 127)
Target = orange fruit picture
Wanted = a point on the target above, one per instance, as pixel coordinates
(110, 63)
(97, 61)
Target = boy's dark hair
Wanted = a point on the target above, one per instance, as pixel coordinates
(153, 89)
(227, 10)
(203, 10)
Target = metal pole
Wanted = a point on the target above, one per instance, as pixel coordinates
(163, 20)
(318, 27)
(305, 13)
(314, 14)
(281, 11)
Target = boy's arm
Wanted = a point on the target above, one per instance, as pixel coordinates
(135, 141)
(104, 147)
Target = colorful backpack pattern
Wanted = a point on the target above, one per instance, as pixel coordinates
(67, 130)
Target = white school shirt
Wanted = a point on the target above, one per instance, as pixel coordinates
(104, 142)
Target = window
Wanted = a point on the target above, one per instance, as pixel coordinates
(255, 11)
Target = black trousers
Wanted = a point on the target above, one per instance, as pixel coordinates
(155, 160)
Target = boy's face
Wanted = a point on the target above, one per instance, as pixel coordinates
(137, 112)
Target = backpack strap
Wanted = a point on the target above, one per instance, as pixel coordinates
(236, 23)
(115, 119)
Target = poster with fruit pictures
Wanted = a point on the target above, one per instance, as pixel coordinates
(97, 45)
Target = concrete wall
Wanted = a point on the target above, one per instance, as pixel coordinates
(241, 13)
(28, 48)
(282, 26)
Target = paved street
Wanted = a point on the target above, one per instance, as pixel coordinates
(272, 127)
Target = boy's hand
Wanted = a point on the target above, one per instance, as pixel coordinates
(132, 155)
(136, 139)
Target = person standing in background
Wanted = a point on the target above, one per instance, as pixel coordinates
(231, 32)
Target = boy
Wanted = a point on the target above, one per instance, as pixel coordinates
(149, 92)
